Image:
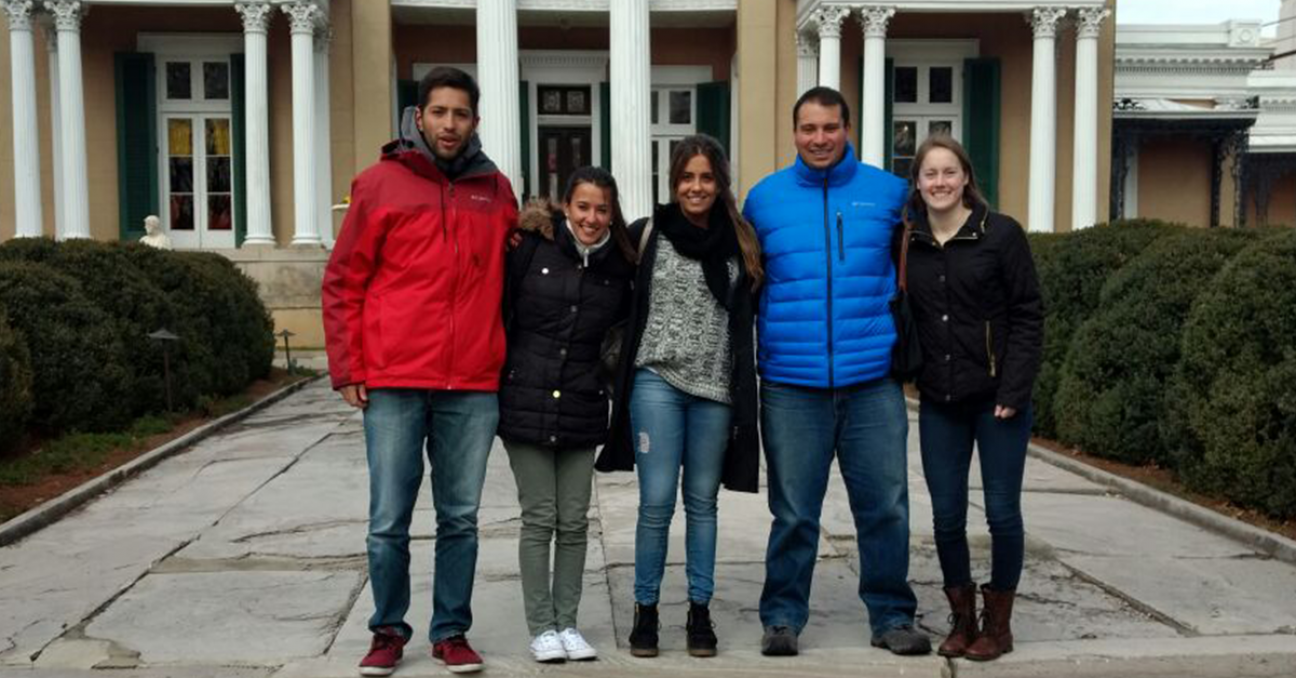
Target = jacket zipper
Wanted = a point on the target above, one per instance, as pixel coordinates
(828, 257)
(841, 239)
(454, 288)
(990, 348)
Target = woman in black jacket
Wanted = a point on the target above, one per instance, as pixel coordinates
(568, 284)
(977, 306)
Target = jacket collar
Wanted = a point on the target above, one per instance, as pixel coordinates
(837, 175)
(411, 150)
(972, 230)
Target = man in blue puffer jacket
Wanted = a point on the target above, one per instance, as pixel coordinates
(825, 338)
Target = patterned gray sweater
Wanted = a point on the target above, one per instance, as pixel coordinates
(686, 339)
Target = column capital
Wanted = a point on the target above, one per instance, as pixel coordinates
(830, 20)
(19, 14)
(807, 45)
(67, 13)
(875, 20)
(1044, 21)
(323, 39)
(256, 15)
(303, 15)
(1089, 21)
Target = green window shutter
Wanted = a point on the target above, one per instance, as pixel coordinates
(713, 111)
(524, 110)
(605, 123)
(888, 114)
(137, 166)
(981, 123)
(406, 95)
(238, 106)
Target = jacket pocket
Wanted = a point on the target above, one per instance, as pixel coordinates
(989, 342)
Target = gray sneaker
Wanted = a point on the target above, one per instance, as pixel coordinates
(779, 641)
(904, 640)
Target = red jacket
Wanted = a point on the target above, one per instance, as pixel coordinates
(412, 292)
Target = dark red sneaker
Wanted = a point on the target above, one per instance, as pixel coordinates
(385, 651)
(457, 655)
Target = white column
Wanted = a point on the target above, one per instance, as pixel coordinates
(323, 138)
(830, 20)
(497, 75)
(76, 186)
(22, 66)
(56, 123)
(631, 81)
(1043, 131)
(873, 84)
(302, 16)
(807, 61)
(256, 118)
(1084, 187)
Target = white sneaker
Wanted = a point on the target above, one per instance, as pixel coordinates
(547, 647)
(574, 643)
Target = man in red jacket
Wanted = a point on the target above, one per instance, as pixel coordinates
(415, 339)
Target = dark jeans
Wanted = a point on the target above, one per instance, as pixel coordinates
(865, 427)
(947, 432)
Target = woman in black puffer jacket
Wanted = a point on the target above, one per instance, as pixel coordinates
(568, 284)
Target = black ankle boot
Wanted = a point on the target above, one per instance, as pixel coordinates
(643, 637)
(701, 631)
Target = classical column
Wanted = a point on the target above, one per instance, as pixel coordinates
(22, 67)
(873, 85)
(1043, 130)
(830, 20)
(631, 82)
(76, 186)
(256, 120)
(807, 61)
(1084, 188)
(302, 16)
(323, 138)
(56, 123)
(497, 74)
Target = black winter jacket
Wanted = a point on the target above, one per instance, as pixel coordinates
(742, 456)
(977, 304)
(558, 313)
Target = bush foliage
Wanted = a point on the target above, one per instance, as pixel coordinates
(15, 385)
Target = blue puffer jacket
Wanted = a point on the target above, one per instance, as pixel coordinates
(826, 236)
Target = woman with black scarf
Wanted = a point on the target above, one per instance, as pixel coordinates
(685, 395)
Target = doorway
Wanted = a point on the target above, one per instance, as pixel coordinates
(562, 151)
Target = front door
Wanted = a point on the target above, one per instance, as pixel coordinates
(562, 151)
(198, 182)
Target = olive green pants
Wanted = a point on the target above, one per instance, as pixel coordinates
(554, 491)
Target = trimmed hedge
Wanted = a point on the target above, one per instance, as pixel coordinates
(1233, 397)
(1111, 395)
(15, 385)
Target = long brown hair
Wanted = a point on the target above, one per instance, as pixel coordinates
(972, 197)
(708, 147)
(604, 180)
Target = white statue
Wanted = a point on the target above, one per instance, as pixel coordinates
(155, 237)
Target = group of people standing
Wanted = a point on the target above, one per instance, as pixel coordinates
(452, 318)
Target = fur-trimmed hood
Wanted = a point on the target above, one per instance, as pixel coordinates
(539, 216)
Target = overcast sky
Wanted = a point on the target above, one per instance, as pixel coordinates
(1195, 11)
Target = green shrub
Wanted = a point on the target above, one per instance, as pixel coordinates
(1233, 396)
(15, 386)
(1072, 271)
(80, 377)
(1111, 396)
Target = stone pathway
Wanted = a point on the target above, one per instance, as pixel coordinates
(245, 557)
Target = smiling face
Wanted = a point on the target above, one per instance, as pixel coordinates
(589, 212)
(447, 121)
(697, 190)
(941, 180)
(820, 134)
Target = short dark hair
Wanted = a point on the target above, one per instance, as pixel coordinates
(445, 76)
(826, 97)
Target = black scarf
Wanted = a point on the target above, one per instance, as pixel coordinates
(714, 245)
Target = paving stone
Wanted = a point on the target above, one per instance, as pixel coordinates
(1089, 525)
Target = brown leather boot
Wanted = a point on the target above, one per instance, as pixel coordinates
(996, 631)
(963, 620)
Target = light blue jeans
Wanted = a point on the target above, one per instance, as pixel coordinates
(455, 429)
(674, 430)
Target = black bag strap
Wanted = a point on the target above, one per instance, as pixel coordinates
(903, 277)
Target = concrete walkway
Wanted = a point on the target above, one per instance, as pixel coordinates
(245, 557)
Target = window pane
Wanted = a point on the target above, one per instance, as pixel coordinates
(218, 175)
(577, 157)
(941, 81)
(219, 215)
(901, 166)
(182, 213)
(181, 175)
(178, 83)
(940, 128)
(550, 101)
(674, 144)
(681, 107)
(906, 84)
(216, 80)
(218, 136)
(903, 138)
(656, 166)
(577, 102)
(180, 136)
(653, 115)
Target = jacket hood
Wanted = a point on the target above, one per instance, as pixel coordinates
(539, 216)
(471, 161)
(837, 175)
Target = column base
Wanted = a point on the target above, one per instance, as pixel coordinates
(259, 242)
(311, 242)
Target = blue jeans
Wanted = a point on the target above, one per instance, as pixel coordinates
(866, 426)
(673, 429)
(457, 429)
(948, 432)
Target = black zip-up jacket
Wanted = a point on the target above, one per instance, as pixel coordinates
(558, 313)
(741, 470)
(977, 304)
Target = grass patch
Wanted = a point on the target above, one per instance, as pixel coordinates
(66, 454)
